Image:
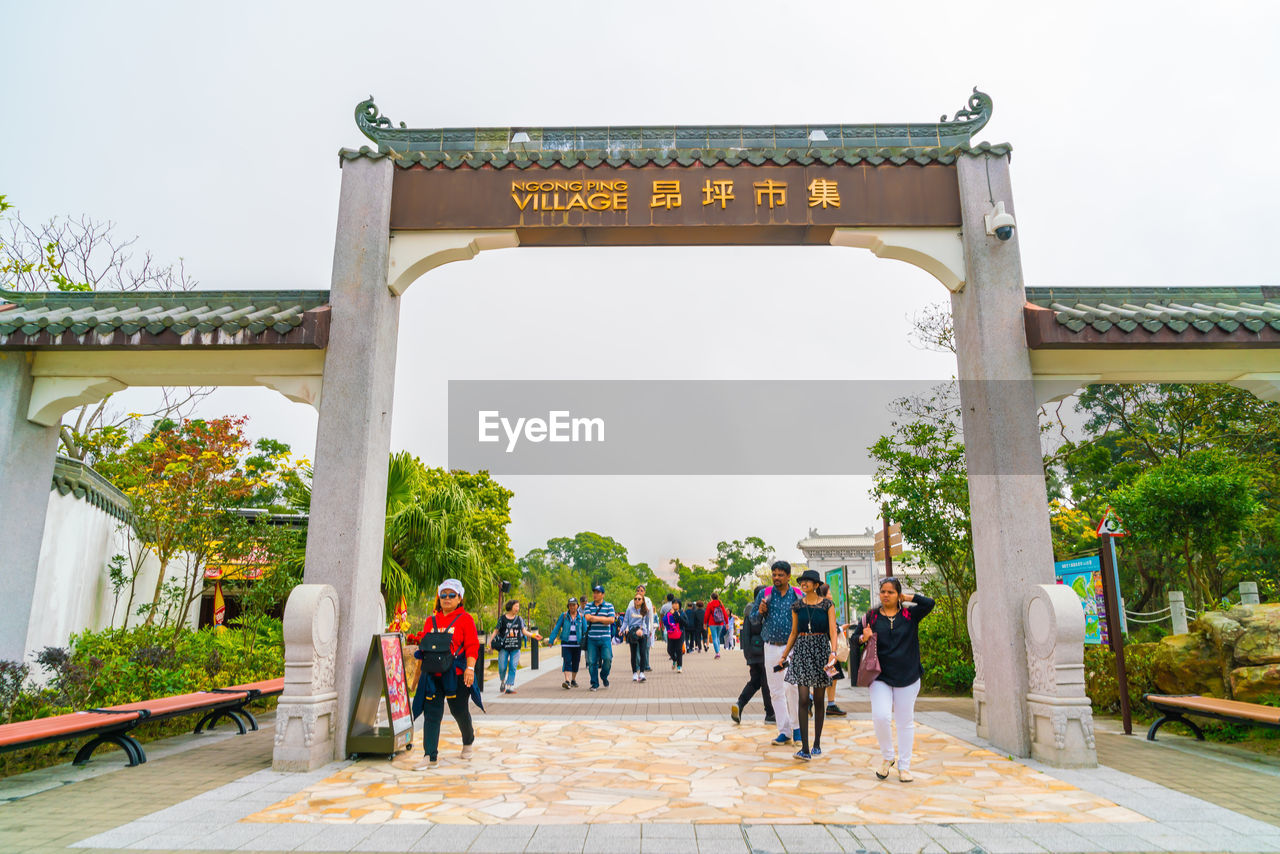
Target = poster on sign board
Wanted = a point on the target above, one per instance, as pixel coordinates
(1084, 576)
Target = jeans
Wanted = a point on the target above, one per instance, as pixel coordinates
(570, 659)
(507, 661)
(901, 703)
(757, 682)
(599, 659)
(786, 697)
(433, 714)
(715, 637)
(639, 655)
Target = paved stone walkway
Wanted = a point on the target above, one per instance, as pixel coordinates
(220, 797)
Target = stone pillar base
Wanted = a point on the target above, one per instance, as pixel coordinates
(1059, 716)
(304, 733)
(1061, 732)
(307, 717)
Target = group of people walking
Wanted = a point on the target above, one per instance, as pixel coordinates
(798, 635)
(790, 638)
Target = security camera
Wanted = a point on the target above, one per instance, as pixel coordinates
(999, 223)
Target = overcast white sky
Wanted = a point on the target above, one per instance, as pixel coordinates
(1144, 142)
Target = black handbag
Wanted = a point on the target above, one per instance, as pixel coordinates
(633, 634)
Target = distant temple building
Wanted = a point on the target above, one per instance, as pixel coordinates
(854, 552)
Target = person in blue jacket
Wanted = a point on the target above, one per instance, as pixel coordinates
(571, 628)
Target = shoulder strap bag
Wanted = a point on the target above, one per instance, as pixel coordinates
(869, 667)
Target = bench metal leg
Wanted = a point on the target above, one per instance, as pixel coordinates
(132, 750)
(213, 717)
(1170, 717)
(248, 715)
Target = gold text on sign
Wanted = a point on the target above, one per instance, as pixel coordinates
(570, 195)
(771, 191)
(823, 191)
(666, 194)
(717, 191)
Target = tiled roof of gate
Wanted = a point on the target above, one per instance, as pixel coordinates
(760, 156)
(896, 143)
(182, 317)
(1179, 310)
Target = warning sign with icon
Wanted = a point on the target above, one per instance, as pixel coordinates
(1111, 524)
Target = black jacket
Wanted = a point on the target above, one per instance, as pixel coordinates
(752, 642)
(898, 643)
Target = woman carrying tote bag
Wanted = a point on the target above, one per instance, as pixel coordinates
(892, 632)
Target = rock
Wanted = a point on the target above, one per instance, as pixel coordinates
(1188, 664)
(1221, 630)
(1258, 642)
(1259, 684)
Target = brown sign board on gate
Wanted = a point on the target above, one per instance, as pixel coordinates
(677, 204)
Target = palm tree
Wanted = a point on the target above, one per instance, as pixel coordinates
(427, 537)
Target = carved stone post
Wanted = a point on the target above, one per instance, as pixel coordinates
(1249, 593)
(1178, 612)
(306, 719)
(979, 681)
(1059, 717)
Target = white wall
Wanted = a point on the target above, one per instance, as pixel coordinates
(72, 590)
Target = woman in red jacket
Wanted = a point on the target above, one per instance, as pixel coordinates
(456, 684)
(717, 618)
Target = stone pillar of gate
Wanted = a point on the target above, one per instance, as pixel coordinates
(353, 439)
(26, 474)
(1008, 503)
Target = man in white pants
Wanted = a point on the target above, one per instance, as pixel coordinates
(772, 612)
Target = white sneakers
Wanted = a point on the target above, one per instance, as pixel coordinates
(468, 750)
(638, 677)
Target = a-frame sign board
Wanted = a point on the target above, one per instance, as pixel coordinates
(382, 718)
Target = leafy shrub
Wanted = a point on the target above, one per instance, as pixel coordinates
(116, 666)
(1103, 688)
(945, 652)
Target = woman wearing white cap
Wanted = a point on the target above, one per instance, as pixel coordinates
(456, 684)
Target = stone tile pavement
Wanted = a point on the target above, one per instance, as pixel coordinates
(199, 800)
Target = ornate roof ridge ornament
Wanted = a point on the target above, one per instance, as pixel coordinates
(452, 146)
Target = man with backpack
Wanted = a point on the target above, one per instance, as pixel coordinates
(773, 608)
(753, 651)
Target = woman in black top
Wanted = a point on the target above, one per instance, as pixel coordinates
(894, 691)
(813, 637)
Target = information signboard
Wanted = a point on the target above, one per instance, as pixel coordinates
(839, 592)
(382, 718)
(1084, 576)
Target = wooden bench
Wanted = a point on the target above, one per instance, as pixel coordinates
(237, 713)
(111, 725)
(1175, 707)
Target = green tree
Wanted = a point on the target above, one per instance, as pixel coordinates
(1192, 506)
(741, 558)
(491, 512)
(922, 478)
(427, 535)
(185, 481)
(588, 553)
(697, 583)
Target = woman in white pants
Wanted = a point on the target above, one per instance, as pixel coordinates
(893, 693)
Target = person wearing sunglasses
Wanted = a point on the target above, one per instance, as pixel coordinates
(456, 684)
